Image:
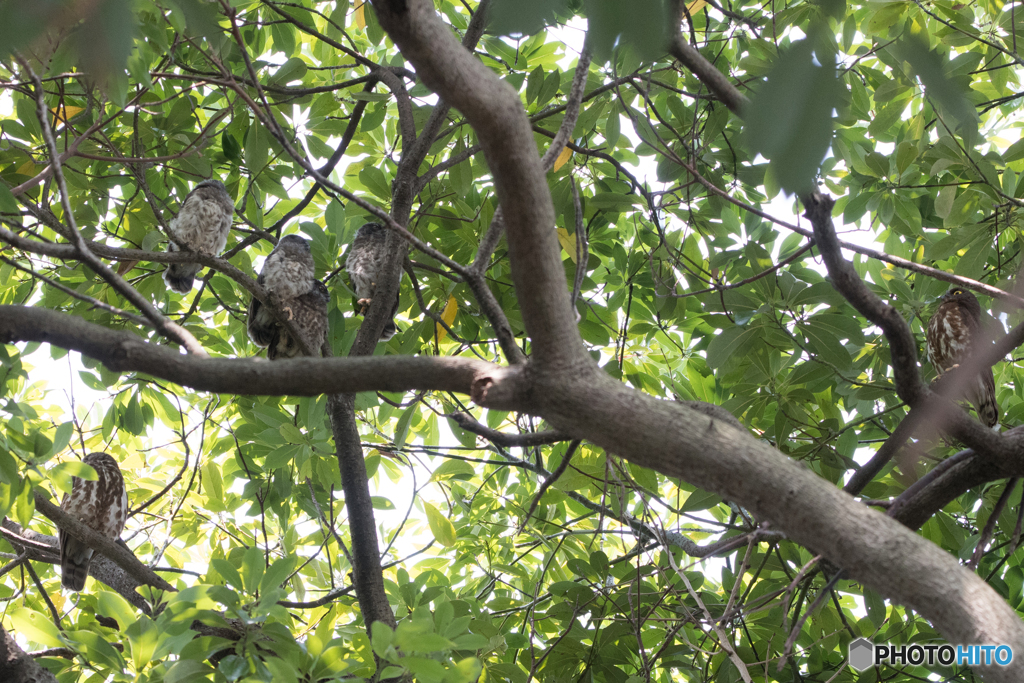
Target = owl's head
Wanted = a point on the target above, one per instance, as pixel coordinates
(293, 242)
(212, 182)
(371, 230)
(963, 297)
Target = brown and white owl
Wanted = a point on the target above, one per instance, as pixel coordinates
(954, 332)
(289, 273)
(102, 505)
(364, 264)
(201, 226)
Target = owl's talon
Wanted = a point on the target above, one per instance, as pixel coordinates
(288, 310)
(364, 305)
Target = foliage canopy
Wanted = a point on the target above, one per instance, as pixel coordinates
(691, 285)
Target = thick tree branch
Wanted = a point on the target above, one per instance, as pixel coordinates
(42, 548)
(494, 110)
(18, 667)
(126, 352)
(578, 398)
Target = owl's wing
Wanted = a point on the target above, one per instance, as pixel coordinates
(309, 318)
(259, 321)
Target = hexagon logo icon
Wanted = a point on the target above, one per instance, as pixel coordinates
(862, 654)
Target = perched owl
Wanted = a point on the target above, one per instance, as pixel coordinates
(364, 262)
(952, 331)
(202, 226)
(102, 505)
(288, 272)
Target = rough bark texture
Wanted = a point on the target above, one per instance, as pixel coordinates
(18, 667)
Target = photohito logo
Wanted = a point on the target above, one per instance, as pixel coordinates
(864, 654)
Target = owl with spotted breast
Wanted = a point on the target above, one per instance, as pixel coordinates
(289, 273)
(201, 226)
(101, 505)
(364, 264)
(954, 332)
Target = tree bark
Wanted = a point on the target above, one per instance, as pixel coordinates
(18, 667)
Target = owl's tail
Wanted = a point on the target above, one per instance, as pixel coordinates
(181, 276)
(74, 562)
(983, 398)
(282, 345)
(390, 328)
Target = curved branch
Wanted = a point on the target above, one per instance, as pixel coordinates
(468, 423)
(496, 114)
(172, 331)
(126, 352)
(902, 345)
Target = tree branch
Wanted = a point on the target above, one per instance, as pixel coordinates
(18, 667)
(126, 352)
(713, 79)
(121, 556)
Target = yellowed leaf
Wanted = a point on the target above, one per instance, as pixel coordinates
(695, 6)
(64, 112)
(28, 168)
(568, 242)
(563, 157)
(447, 315)
(360, 17)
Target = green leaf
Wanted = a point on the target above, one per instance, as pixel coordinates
(875, 607)
(375, 181)
(233, 667)
(928, 66)
(114, 606)
(826, 345)
(228, 571)
(443, 530)
(700, 500)
(944, 201)
(510, 17)
(789, 119)
(381, 637)
(36, 627)
(8, 204)
(188, 671)
(256, 150)
(277, 573)
(732, 341)
(402, 428)
(144, 637)
(641, 24)
(229, 145)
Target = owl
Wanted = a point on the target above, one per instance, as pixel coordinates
(102, 505)
(288, 272)
(201, 226)
(952, 332)
(364, 263)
